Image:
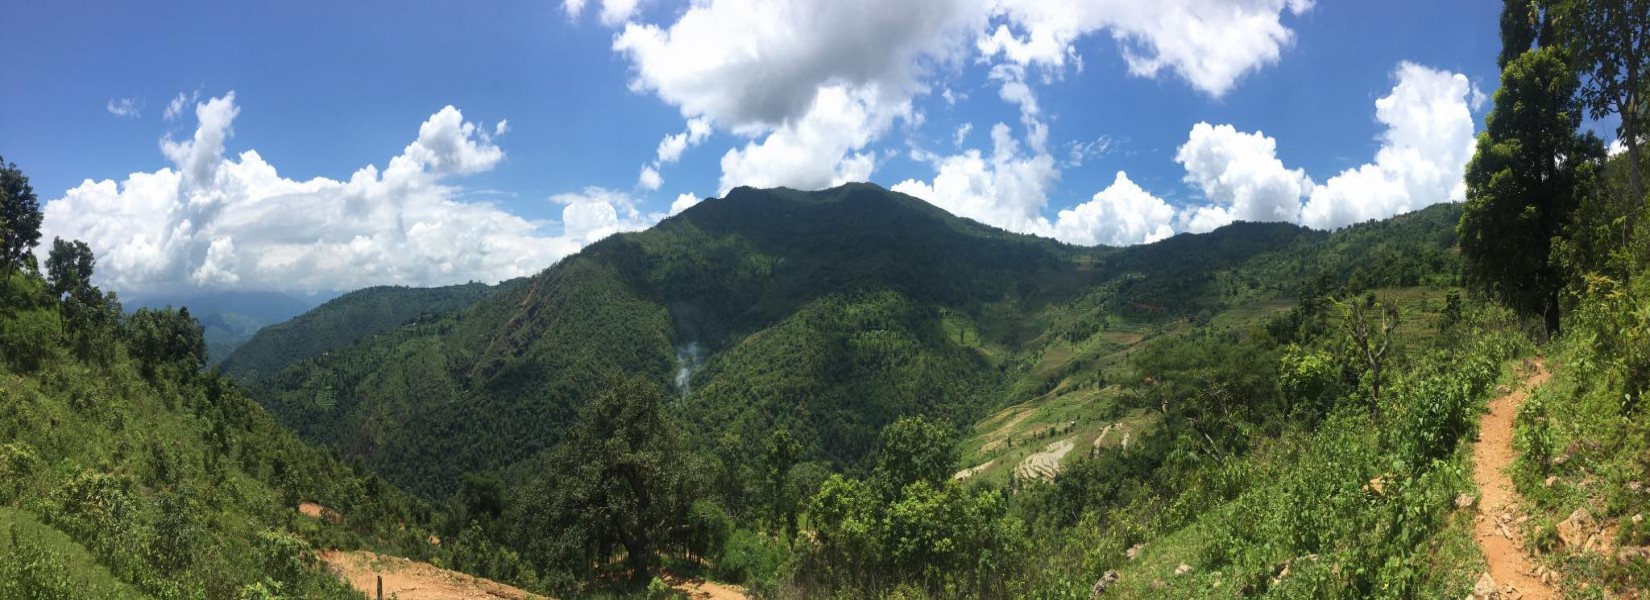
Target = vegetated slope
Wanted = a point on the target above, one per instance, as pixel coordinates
(827, 313)
(126, 471)
(342, 321)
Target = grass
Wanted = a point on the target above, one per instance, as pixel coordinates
(64, 564)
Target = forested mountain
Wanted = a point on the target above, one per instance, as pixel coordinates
(829, 314)
(851, 393)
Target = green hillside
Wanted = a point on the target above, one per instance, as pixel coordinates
(126, 471)
(829, 316)
(829, 313)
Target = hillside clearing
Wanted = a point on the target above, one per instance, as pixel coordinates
(410, 580)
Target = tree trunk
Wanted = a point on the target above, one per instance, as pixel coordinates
(1551, 314)
(1631, 138)
(636, 558)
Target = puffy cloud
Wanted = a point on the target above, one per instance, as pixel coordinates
(1120, 215)
(773, 69)
(671, 148)
(1007, 189)
(649, 179)
(596, 213)
(683, 202)
(217, 221)
(1424, 152)
(1241, 175)
(819, 150)
(760, 63)
(124, 107)
(1617, 146)
(1209, 43)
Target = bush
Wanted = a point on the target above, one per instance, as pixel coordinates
(31, 572)
(750, 558)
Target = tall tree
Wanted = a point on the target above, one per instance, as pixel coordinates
(1522, 181)
(19, 217)
(69, 268)
(783, 452)
(1609, 43)
(616, 484)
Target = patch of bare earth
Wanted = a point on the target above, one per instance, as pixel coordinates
(1512, 573)
(700, 589)
(411, 580)
(316, 511)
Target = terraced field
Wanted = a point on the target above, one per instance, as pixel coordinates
(1044, 465)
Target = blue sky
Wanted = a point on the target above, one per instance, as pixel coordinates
(785, 92)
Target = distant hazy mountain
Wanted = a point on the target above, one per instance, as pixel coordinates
(230, 318)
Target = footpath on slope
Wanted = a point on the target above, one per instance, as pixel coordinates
(1493, 528)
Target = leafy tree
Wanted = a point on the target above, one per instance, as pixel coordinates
(1522, 182)
(69, 269)
(915, 449)
(1518, 21)
(783, 452)
(1609, 42)
(619, 485)
(165, 337)
(87, 311)
(19, 217)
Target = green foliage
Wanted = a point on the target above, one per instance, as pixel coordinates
(748, 557)
(1524, 181)
(932, 535)
(1609, 44)
(915, 449)
(618, 486)
(20, 218)
(165, 340)
(175, 487)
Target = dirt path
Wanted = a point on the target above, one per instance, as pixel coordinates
(409, 580)
(700, 589)
(1493, 531)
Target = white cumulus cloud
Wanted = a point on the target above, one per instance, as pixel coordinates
(211, 220)
(683, 202)
(770, 70)
(649, 179)
(1239, 172)
(819, 150)
(1123, 214)
(1007, 189)
(1424, 152)
(1209, 43)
